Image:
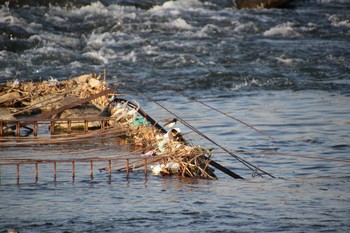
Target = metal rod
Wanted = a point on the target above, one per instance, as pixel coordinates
(17, 174)
(109, 167)
(73, 169)
(91, 169)
(54, 170)
(36, 171)
(244, 162)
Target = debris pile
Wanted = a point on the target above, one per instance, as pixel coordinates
(87, 96)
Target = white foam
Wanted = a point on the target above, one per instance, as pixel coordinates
(288, 61)
(284, 29)
(96, 55)
(101, 40)
(176, 7)
(130, 57)
(245, 27)
(180, 4)
(90, 10)
(209, 29)
(150, 50)
(75, 65)
(337, 22)
(179, 23)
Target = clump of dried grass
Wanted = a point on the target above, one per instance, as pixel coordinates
(24, 97)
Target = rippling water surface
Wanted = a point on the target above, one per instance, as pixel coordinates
(284, 71)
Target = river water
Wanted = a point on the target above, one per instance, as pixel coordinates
(283, 71)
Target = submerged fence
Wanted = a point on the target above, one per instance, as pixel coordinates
(18, 124)
(130, 163)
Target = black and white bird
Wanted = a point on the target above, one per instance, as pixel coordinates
(170, 123)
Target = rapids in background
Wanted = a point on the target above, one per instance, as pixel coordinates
(284, 71)
(193, 44)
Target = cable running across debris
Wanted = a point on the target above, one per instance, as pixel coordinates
(246, 163)
(207, 105)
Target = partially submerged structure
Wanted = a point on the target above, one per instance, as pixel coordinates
(85, 106)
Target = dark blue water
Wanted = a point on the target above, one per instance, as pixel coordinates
(284, 71)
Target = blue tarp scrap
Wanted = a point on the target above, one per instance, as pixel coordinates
(140, 121)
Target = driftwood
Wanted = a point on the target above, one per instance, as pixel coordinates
(73, 104)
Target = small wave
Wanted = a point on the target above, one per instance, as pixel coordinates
(179, 23)
(96, 56)
(207, 30)
(176, 7)
(289, 61)
(245, 27)
(130, 57)
(336, 21)
(183, 59)
(101, 40)
(254, 83)
(284, 29)
(179, 4)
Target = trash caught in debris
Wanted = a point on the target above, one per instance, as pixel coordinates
(86, 103)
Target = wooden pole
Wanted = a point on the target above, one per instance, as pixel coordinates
(52, 127)
(1, 126)
(127, 167)
(35, 130)
(145, 165)
(103, 124)
(18, 128)
(86, 126)
(69, 126)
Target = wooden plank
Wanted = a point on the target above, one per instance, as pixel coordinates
(73, 104)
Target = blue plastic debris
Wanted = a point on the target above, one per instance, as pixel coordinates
(140, 121)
